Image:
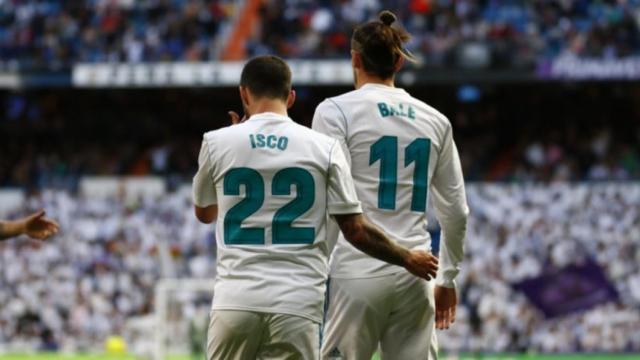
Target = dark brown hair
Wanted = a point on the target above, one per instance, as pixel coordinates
(267, 76)
(380, 45)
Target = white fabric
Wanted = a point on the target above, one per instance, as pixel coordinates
(246, 335)
(356, 120)
(274, 278)
(395, 311)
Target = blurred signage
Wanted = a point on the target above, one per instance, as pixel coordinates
(572, 68)
(570, 289)
(305, 72)
(9, 81)
(130, 188)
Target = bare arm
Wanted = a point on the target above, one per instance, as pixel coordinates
(207, 214)
(373, 242)
(34, 225)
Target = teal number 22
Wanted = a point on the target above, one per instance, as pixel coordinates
(283, 231)
(385, 150)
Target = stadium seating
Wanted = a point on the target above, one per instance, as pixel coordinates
(101, 270)
(512, 34)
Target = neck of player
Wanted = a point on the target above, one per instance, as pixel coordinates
(363, 78)
(264, 105)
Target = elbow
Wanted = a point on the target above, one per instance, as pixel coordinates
(206, 215)
(459, 214)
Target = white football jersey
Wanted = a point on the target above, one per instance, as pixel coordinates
(401, 152)
(274, 182)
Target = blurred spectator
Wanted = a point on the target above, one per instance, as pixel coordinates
(469, 33)
(545, 132)
(99, 273)
(53, 35)
(473, 33)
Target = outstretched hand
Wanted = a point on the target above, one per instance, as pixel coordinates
(446, 301)
(39, 227)
(422, 264)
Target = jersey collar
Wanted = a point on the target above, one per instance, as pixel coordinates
(381, 87)
(268, 116)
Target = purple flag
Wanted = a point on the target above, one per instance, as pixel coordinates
(573, 288)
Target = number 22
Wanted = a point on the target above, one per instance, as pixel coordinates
(282, 229)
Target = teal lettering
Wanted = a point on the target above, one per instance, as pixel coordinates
(384, 110)
(260, 139)
(268, 141)
(283, 142)
(271, 141)
(399, 110)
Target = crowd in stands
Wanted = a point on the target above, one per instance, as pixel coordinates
(518, 232)
(98, 274)
(463, 32)
(69, 294)
(52, 34)
(539, 133)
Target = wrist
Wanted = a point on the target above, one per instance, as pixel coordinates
(21, 227)
(406, 257)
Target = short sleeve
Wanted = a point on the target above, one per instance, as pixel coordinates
(341, 192)
(329, 119)
(204, 190)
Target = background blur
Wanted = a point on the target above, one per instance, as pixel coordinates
(103, 107)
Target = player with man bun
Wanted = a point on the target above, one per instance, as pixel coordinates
(399, 149)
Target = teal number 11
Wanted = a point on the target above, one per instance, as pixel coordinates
(385, 150)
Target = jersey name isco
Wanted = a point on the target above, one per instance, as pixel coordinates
(268, 141)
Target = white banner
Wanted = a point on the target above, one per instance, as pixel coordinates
(305, 72)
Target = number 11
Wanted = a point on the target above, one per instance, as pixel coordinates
(386, 150)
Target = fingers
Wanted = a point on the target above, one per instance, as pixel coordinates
(235, 118)
(38, 214)
(51, 225)
(40, 227)
(444, 318)
(453, 314)
(432, 270)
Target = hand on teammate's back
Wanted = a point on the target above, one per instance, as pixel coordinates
(446, 301)
(422, 264)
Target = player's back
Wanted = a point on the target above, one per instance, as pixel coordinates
(270, 176)
(394, 142)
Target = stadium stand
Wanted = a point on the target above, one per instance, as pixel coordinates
(513, 133)
(71, 293)
(516, 34)
(53, 35)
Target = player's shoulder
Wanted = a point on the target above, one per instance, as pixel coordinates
(430, 112)
(315, 136)
(226, 132)
(342, 99)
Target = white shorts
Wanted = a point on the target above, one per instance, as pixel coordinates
(395, 313)
(248, 335)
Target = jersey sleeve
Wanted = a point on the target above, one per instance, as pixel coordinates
(204, 190)
(451, 209)
(341, 192)
(329, 119)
